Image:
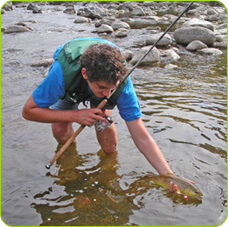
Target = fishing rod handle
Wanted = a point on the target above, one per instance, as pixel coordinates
(102, 103)
(64, 147)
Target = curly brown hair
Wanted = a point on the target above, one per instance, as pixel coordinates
(103, 63)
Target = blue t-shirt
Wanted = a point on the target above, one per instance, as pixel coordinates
(52, 88)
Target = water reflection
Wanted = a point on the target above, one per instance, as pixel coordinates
(194, 105)
(85, 194)
(90, 194)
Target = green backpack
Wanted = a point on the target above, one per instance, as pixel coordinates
(76, 87)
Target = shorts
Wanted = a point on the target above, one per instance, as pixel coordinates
(63, 104)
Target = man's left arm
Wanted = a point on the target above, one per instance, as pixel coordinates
(147, 146)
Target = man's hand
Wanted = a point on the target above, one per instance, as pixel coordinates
(175, 188)
(89, 116)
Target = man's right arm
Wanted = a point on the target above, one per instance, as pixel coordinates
(33, 112)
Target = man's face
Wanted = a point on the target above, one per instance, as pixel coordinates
(100, 88)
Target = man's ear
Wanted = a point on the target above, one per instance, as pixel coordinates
(83, 71)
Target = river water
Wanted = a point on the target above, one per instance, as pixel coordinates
(183, 109)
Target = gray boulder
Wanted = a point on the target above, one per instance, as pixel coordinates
(151, 39)
(169, 55)
(151, 58)
(121, 32)
(220, 44)
(138, 11)
(141, 23)
(31, 6)
(92, 12)
(211, 12)
(105, 20)
(127, 55)
(196, 45)
(211, 51)
(8, 6)
(119, 24)
(70, 10)
(16, 28)
(37, 10)
(198, 22)
(104, 28)
(186, 35)
(126, 6)
(165, 41)
(82, 20)
(43, 62)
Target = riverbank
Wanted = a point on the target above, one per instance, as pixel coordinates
(201, 29)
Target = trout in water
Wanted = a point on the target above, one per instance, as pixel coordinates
(184, 186)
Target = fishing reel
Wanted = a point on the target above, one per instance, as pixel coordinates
(101, 125)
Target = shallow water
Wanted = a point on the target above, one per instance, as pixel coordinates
(183, 109)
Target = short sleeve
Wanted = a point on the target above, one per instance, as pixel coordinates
(128, 104)
(52, 88)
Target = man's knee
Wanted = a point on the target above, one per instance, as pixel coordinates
(62, 131)
(109, 148)
(108, 139)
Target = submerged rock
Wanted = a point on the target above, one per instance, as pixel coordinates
(141, 23)
(82, 20)
(17, 28)
(43, 62)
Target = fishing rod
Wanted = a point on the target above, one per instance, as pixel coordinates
(105, 100)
